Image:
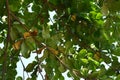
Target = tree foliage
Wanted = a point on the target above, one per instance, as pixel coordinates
(82, 40)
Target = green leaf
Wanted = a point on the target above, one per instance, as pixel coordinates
(34, 74)
(116, 51)
(30, 66)
(61, 78)
(30, 43)
(14, 34)
(54, 2)
(105, 35)
(102, 72)
(28, 79)
(54, 40)
(45, 33)
(118, 77)
(107, 59)
(110, 72)
(84, 71)
(94, 61)
(109, 79)
(90, 54)
(98, 16)
(20, 29)
(61, 68)
(24, 50)
(68, 45)
(14, 5)
(56, 77)
(85, 61)
(68, 74)
(94, 75)
(45, 55)
(1, 39)
(19, 78)
(82, 53)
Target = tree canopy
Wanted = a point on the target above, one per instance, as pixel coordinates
(82, 40)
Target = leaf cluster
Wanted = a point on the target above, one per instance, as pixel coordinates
(82, 39)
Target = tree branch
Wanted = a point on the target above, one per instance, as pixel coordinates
(4, 68)
(39, 65)
(23, 67)
(41, 73)
(74, 71)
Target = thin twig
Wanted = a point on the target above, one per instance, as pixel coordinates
(73, 70)
(23, 75)
(4, 68)
(39, 64)
(51, 21)
(23, 66)
(41, 74)
(63, 63)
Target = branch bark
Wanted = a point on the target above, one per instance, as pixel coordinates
(4, 68)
